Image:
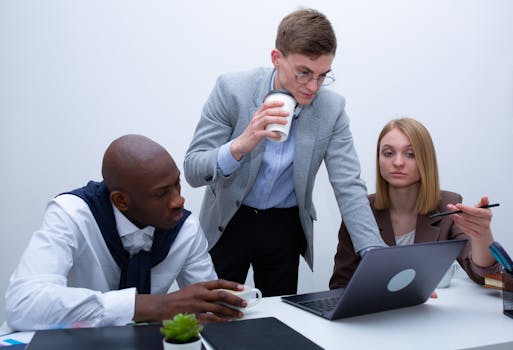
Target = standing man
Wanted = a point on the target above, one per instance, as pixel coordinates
(107, 253)
(258, 206)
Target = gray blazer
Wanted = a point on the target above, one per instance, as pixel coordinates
(322, 134)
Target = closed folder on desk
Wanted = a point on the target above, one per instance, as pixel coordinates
(146, 337)
(255, 334)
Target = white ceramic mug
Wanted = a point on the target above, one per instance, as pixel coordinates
(446, 280)
(252, 296)
(289, 104)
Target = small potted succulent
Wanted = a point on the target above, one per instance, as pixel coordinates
(181, 333)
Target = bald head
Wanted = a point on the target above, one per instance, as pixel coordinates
(131, 157)
(143, 181)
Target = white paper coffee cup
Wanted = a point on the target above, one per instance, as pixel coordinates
(289, 104)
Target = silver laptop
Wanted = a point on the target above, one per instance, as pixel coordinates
(386, 278)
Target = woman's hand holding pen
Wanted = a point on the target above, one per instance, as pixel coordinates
(475, 222)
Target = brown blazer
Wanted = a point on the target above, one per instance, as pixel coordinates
(427, 230)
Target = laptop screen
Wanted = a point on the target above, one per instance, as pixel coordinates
(388, 278)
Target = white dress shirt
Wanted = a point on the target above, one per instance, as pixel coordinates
(68, 278)
(133, 238)
(407, 238)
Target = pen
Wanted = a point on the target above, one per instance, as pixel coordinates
(444, 213)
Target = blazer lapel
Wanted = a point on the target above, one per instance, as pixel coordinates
(306, 133)
(385, 226)
(426, 229)
(256, 155)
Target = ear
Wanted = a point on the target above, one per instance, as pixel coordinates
(275, 57)
(120, 200)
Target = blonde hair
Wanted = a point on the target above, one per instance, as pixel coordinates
(425, 155)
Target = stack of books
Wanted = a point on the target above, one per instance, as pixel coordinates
(494, 280)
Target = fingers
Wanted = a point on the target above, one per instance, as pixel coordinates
(196, 305)
(223, 284)
(262, 118)
(476, 210)
(434, 295)
(272, 108)
(473, 213)
(226, 297)
(484, 201)
(224, 310)
(275, 136)
(473, 220)
(223, 298)
(269, 113)
(216, 297)
(479, 231)
(272, 104)
(214, 310)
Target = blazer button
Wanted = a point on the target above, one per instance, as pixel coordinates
(237, 203)
(220, 228)
(208, 178)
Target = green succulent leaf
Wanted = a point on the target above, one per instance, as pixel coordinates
(183, 327)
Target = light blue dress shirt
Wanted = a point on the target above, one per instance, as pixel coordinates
(274, 184)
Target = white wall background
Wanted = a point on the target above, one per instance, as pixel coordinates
(74, 75)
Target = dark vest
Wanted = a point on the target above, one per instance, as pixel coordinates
(135, 270)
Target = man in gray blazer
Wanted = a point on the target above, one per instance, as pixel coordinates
(258, 205)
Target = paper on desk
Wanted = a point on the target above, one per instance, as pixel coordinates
(16, 338)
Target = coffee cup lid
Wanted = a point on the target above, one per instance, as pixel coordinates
(279, 91)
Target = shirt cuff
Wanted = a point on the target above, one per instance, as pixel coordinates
(119, 307)
(364, 251)
(225, 161)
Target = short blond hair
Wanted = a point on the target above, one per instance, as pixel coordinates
(425, 155)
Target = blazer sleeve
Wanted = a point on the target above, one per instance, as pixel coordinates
(350, 191)
(214, 129)
(346, 260)
(473, 271)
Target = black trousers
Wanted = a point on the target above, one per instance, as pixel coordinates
(271, 240)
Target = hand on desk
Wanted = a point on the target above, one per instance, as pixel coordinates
(200, 298)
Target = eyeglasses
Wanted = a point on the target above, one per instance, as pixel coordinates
(322, 79)
(306, 77)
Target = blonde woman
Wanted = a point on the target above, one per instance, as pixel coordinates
(407, 192)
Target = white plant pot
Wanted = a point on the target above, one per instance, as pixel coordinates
(196, 345)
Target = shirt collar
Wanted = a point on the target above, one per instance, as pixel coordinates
(126, 227)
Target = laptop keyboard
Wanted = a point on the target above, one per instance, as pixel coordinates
(321, 305)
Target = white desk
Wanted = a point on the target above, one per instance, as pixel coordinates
(464, 316)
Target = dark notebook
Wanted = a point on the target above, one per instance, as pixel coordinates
(140, 337)
(255, 334)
